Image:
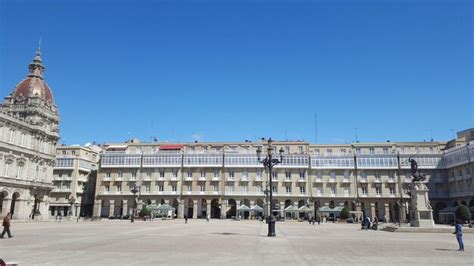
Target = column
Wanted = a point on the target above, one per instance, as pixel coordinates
(125, 208)
(6, 206)
(359, 210)
(195, 209)
(223, 209)
(386, 214)
(181, 209)
(208, 211)
(112, 208)
(97, 209)
(372, 210)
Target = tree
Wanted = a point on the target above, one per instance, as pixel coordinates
(144, 212)
(344, 213)
(463, 213)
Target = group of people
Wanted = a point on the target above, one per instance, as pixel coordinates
(368, 223)
(312, 220)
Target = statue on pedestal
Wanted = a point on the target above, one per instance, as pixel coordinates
(421, 213)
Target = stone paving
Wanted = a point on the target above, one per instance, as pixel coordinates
(225, 242)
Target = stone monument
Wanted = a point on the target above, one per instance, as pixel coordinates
(421, 213)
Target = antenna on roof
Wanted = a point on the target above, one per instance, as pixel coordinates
(355, 133)
(316, 127)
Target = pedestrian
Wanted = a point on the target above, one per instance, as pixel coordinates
(185, 219)
(6, 226)
(458, 234)
(207, 218)
(319, 221)
(313, 220)
(368, 223)
(310, 218)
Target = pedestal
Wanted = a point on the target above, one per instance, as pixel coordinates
(421, 213)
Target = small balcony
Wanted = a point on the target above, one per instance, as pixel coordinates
(258, 179)
(318, 180)
(161, 178)
(363, 180)
(119, 178)
(346, 180)
(288, 180)
(174, 178)
(188, 178)
(202, 178)
(230, 178)
(391, 181)
(377, 180)
(106, 178)
(302, 180)
(332, 180)
(147, 178)
(408, 180)
(216, 178)
(244, 179)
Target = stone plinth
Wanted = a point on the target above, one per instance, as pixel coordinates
(421, 213)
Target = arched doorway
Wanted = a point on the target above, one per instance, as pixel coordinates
(203, 213)
(118, 209)
(105, 209)
(231, 208)
(15, 198)
(464, 203)
(162, 201)
(190, 208)
(175, 206)
(3, 196)
(148, 201)
(215, 209)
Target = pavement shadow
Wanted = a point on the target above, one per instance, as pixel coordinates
(445, 249)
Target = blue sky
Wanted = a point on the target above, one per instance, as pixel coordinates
(237, 70)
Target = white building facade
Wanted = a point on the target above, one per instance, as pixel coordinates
(29, 133)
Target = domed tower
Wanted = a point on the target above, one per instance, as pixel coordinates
(32, 100)
(29, 133)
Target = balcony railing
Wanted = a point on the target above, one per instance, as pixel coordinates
(332, 162)
(200, 160)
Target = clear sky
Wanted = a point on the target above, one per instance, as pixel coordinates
(236, 70)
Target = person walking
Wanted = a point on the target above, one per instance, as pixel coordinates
(185, 219)
(207, 218)
(458, 234)
(6, 225)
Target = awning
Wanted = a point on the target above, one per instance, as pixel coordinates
(330, 210)
(449, 209)
(257, 208)
(291, 208)
(171, 147)
(243, 207)
(304, 209)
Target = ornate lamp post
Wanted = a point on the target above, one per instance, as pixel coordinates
(269, 162)
(134, 190)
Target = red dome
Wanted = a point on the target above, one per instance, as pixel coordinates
(34, 87)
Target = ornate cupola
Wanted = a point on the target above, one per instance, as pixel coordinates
(32, 100)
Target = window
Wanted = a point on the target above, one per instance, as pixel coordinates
(316, 152)
(372, 151)
(288, 175)
(385, 150)
(287, 149)
(12, 136)
(274, 175)
(333, 191)
(60, 175)
(259, 189)
(73, 152)
(119, 188)
(431, 149)
(64, 152)
(274, 189)
(231, 174)
(417, 149)
(288, 189)
(230, 189)
(174, 188)
(259, 174)
(190, 174)
(107, 174)
(7, 169)
(190, 188)
(245, 188)
(392, 191)
(378, 191)
(202, 188)
(119, 174)
(346, 175)
(175, 173)
(302, 190)
(329, 152)
(319, 191)
(148, 173)
(343, 151)
(364, 191)
(402, 149)
(162, 174)
(215, 188)
(347, 192)
(134, 174)
(216, 173)
(358, 151)
(161, 188)
(302, 175)
(203, 174)
(147, 189)
(106, 188)
(245, 174)
(300, 149)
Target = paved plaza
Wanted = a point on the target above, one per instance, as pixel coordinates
(225, 242)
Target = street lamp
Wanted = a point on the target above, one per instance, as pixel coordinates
(134, 190)
(269, 162)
